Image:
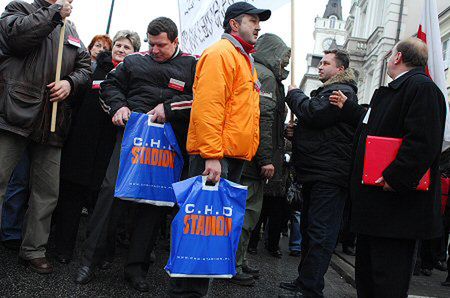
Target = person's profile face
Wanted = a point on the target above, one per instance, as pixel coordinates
(328, 67)
(249, 28)
(393, 59)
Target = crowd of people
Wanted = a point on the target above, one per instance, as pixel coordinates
(228, 111)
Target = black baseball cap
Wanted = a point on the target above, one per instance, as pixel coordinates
(239, 8)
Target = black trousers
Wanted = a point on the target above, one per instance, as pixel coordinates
(323, 205)
(278, 216)
(72, 198)
(106, 217)
(198, 287)
(275, 215)
(384, 266)
(347, 236)
(429, 252)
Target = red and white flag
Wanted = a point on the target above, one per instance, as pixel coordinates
(430, 33)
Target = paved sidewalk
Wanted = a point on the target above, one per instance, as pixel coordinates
(421, 286)
(16, 281)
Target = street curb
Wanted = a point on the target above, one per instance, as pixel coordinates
(344, 269)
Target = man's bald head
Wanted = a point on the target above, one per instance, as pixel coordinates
(414, 52)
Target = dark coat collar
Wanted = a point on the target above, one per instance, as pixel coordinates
(42, 3)
(395, 84)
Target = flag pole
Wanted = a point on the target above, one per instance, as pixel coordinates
(110, 17)
(293, 73)
(58, 74)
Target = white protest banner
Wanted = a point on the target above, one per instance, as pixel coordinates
(201, 21)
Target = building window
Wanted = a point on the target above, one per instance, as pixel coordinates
(446, 53)
(315, 60)
(332, 22)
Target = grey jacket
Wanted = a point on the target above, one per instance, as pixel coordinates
(269, 55)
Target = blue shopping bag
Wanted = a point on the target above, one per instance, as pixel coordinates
(150, 161)
(206, 230)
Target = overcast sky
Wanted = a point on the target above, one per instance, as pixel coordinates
(91, 16)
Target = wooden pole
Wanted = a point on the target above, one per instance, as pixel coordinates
(293, 73)
(58, 74)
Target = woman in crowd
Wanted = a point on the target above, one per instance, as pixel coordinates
(88, 149)
(99, 44)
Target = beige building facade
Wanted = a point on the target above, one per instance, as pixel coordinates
(329, 33)
(375, 26)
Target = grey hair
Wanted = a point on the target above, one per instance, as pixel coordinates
(132, 36)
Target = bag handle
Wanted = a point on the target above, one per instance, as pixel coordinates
(151, 123)
(209, 185)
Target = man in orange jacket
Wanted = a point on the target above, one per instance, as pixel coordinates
(224, 125)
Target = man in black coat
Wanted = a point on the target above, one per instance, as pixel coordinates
(389, 220)
(322, 148)
(158, 82)
(29, 35)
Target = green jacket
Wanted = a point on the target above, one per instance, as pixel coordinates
(271, 51)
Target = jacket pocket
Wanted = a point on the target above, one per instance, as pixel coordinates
(21, 105)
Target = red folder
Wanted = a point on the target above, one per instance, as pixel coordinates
(380, 153)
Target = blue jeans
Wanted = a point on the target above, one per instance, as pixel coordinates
(323, 206)
(295, 235)
(16, 200)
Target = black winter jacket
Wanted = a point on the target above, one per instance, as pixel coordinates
(412, 108)
(87, 151)
(322, 145)
(140, 83)
(29, 37)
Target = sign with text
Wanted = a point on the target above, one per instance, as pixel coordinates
(201, 21)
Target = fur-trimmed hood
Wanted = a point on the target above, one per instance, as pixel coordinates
(346, 77)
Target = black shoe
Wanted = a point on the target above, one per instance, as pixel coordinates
(63, 259)
(243, 279)
(446, 283)
(441, 266)
(253, 271)
(252, 251)
(105, 265)
(426, 272)
(138, 283)
(295, 253)
(276, 253)
(291, 286)
(349, 251)
(13, 245)
(84, 275)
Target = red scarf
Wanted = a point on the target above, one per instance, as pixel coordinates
(115, 63)
(248, 48)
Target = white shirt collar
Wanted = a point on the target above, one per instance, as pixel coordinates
(401, 74)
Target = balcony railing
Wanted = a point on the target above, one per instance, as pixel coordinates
(356, 46)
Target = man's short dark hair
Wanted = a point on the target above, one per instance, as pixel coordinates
(414, 52)
(161, 25)
(340, 56)
(238, 19)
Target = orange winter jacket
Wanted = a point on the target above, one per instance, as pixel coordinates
(225, 112)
